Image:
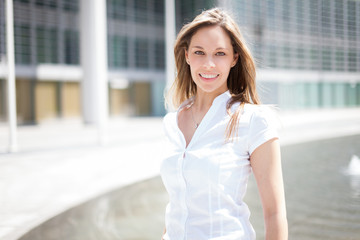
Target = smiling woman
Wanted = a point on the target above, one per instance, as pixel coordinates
(210, 57)
(218, 135)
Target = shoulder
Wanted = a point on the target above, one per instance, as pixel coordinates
(263, 124)
(260, 113)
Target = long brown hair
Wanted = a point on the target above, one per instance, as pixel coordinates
(241, 79)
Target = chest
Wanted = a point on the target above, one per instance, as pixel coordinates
(188, 122)
(208, 149)
(209, 160)
(216, 165)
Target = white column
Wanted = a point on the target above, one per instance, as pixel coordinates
(11, 76)
(94, 85)
(170, 32)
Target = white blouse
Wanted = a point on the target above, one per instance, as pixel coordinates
(207, 180)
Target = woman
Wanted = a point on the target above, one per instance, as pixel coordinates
(217, 136)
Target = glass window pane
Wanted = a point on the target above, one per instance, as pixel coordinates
(71, 5)
(160, 55)
(141, 11)
(46, 45)
(118, 52)
(141, 53)
(71, 41)
(22, 44)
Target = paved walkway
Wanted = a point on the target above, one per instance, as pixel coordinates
(60, 165)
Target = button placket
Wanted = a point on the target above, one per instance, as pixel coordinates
(183, 194)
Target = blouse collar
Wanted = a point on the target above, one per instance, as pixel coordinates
(222, 97)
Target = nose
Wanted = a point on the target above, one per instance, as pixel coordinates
(209, 62)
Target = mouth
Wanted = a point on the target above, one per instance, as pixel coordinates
(208, 76)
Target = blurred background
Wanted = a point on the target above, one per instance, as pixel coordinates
(308, 58)
(307, 52)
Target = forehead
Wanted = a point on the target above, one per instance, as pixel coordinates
(212, 37)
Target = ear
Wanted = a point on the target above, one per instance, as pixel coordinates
(236, 57)
(187, 57)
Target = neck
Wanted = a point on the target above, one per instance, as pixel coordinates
(204, 100)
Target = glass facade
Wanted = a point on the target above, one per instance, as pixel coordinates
(186, 10)
(313, 45)
(135, 33)
(304, 31)
(319, 38)
(46, 31)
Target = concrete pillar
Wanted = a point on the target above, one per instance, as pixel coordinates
(94, 85)
(11, 92)
(170, 32)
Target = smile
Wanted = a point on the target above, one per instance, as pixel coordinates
(208, 76)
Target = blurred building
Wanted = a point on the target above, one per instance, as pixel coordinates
(308, 53)
(48, 73)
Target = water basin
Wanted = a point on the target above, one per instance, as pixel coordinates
(323, 202)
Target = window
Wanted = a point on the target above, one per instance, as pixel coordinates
(339, 19)
(46, 45)
(117, 9)
(314, 17)
(241, 7)
(326, 59)
(2, 39)
(352, 60)
(339, 59)
(141, 53)
(160, 55)
(118, 53)
(46, 3)
(325, 18)
(351, 20)
(314, 58)
(71, 47)
(256, 12)
(159, 12)
(71, 5)
(286, 15)
(270, 16)
(141, 11)
(22, 1)
(22, 44)
(300, 57)
(287, 57)
(187, 11)
(299, 16)
(272, 59)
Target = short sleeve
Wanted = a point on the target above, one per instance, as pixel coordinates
(263, 127)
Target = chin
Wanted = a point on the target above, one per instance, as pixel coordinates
(212, 89)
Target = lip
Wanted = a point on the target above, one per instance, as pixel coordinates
(208, 76)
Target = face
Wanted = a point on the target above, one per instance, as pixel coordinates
(211, 56)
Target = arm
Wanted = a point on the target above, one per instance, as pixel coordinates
(266, 165)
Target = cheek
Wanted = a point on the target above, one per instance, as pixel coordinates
(195, 65)
(192, 71)
(195, 62)
(224, 65)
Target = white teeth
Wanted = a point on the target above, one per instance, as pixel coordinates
(208, 75)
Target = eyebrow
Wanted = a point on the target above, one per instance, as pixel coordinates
(219, 48)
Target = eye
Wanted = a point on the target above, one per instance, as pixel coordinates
(199, 53)
(220, 54)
